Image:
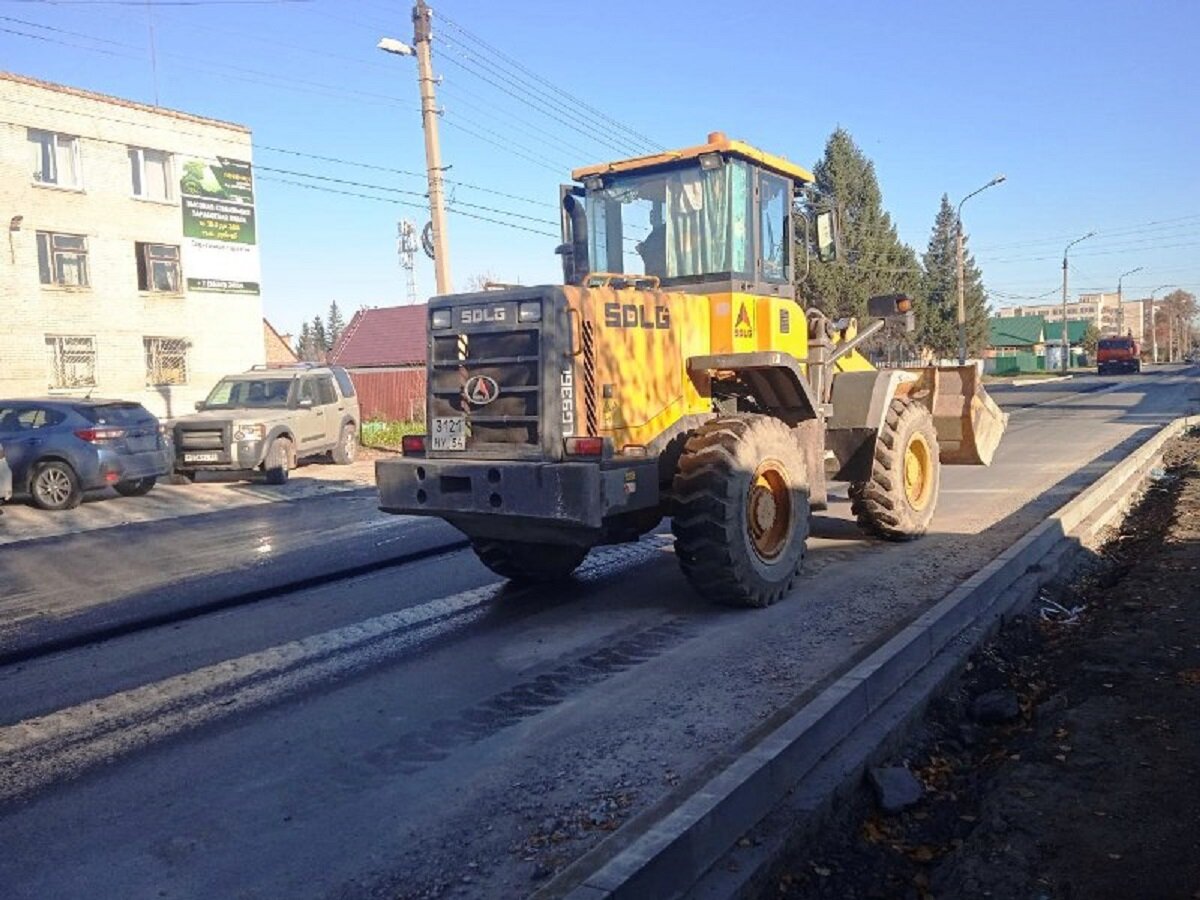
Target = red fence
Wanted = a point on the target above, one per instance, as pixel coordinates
(393, 395)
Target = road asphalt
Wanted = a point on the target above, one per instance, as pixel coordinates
(425, 729)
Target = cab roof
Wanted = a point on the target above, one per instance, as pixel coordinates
(717, 143)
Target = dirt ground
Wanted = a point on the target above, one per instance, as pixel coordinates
(1092, 790)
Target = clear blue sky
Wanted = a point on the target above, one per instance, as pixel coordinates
(1092, 110)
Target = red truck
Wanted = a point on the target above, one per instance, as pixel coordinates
(1118, 354)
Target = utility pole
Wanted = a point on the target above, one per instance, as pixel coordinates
(962, 304)
(1066, 341)
(1120, 300)
(422, 37)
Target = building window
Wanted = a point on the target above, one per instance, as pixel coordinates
(55, 158)
(166, 360)
(151, 171)
(62, 259)
(158, 267)
(72, 361)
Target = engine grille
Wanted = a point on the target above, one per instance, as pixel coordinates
(513, 359)
(201, 438)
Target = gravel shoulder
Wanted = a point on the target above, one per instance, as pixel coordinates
(1086, 786)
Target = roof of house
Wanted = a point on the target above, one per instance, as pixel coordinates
(278, 350)
(1026, 331)
(120, 101)
(385, 336)
(1016, 331)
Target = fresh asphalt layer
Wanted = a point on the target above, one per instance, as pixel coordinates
(427, 725)
(122, 563)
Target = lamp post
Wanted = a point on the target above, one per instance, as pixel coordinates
(422, 33)
(962, 307)
(1066, 343)
(1154, 322)
(1120, 301)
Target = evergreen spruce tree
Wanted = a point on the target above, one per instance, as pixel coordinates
(871, 257)
(334, 324)
(939, 327)
(320, 342)
(304, 342)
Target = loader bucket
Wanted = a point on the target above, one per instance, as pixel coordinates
(969, 423)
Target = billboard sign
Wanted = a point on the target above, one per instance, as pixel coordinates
(220, 249)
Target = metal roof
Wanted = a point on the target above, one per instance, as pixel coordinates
(717, 143)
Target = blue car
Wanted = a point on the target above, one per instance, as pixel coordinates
(59, 448)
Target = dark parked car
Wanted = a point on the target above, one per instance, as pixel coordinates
(59, 448)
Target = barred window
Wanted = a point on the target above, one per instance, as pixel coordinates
(72, 361)
(166, 360)
(62, 259)
(158, 267)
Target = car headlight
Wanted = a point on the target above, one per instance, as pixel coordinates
(440, 318)
(529, 311)
(248, 431)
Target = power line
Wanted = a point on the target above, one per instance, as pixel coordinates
(533, 103)
(329, 190)
(620, 126)
(394, 190)
(284, 150)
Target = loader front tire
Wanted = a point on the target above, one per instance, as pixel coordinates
(528, 562)
(898, 500)
(741, 510)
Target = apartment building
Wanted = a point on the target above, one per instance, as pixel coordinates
(132, 264)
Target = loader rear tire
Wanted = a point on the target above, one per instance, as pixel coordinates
(528, 562)
(898, 501)
(741, 510)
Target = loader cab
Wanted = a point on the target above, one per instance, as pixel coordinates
(708, 219)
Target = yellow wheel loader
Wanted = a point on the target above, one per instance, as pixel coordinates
(674, 374)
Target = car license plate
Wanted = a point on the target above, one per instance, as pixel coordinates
(449, 433)
(201, 457)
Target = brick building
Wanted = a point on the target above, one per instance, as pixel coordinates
(132, 266)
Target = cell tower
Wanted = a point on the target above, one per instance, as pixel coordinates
(406, 246)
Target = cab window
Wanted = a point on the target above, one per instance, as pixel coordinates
(774, 195)
(325, 391)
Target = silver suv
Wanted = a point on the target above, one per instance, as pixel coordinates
(269, 418)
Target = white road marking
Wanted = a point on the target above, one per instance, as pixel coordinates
(42, 749)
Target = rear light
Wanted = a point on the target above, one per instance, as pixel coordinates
(412, 444)
(94, 435)
(112, 477)
(584, 446)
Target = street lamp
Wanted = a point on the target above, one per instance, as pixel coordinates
(1154, 321)
(1120, 306)
(1066, 343)
(962, 308)
(420, 48)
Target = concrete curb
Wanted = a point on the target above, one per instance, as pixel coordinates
(669, 856)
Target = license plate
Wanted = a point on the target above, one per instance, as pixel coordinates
(449, 433)
(201, 457)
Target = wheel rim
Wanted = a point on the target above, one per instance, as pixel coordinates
(918, 472)
(54, 486)
(769, 511)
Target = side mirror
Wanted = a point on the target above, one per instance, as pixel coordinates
(827, 237)
(199, 406)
